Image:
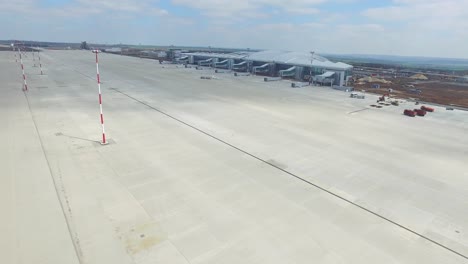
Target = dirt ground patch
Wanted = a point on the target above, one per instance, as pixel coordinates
(434, 92)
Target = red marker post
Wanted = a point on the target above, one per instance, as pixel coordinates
(34, 59)
(25, 88)
(40, 65)
(104, 142)
(14, 52)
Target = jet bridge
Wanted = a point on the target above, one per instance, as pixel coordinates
(207, 62)
(183, 59)
(242, 66)
(263, 68)
(291, 72)
(222, 64)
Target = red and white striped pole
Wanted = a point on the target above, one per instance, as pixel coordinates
(22, 68)
(34, 59)
(40, 65)
(100, 98)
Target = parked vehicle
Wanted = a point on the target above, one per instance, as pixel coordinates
(420, 112)
(427, 109)
(409, 113)
(358, 96)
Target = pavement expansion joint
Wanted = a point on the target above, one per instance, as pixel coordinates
(315, 185)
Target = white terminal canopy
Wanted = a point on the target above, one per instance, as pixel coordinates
(298, 58)
(304, 59)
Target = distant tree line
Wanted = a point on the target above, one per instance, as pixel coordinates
(84, 45)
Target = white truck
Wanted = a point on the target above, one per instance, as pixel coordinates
(357, 95)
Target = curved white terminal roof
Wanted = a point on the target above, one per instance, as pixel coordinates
(297, 58)
(237, 55)
(278, 56)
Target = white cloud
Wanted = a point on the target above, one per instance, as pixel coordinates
(118, 5)
(403, 27)
(303, 11)
(411, 10)
(360, 28)
(250, 8)
(424, 27)
(219, 7)
(159, 11)
(16, 6)
(78, 8)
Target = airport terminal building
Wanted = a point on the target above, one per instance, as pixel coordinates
(284, 64)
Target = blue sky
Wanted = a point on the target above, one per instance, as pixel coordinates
(393, 27)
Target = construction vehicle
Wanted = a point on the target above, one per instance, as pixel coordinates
(408, 112)
(382, 98)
